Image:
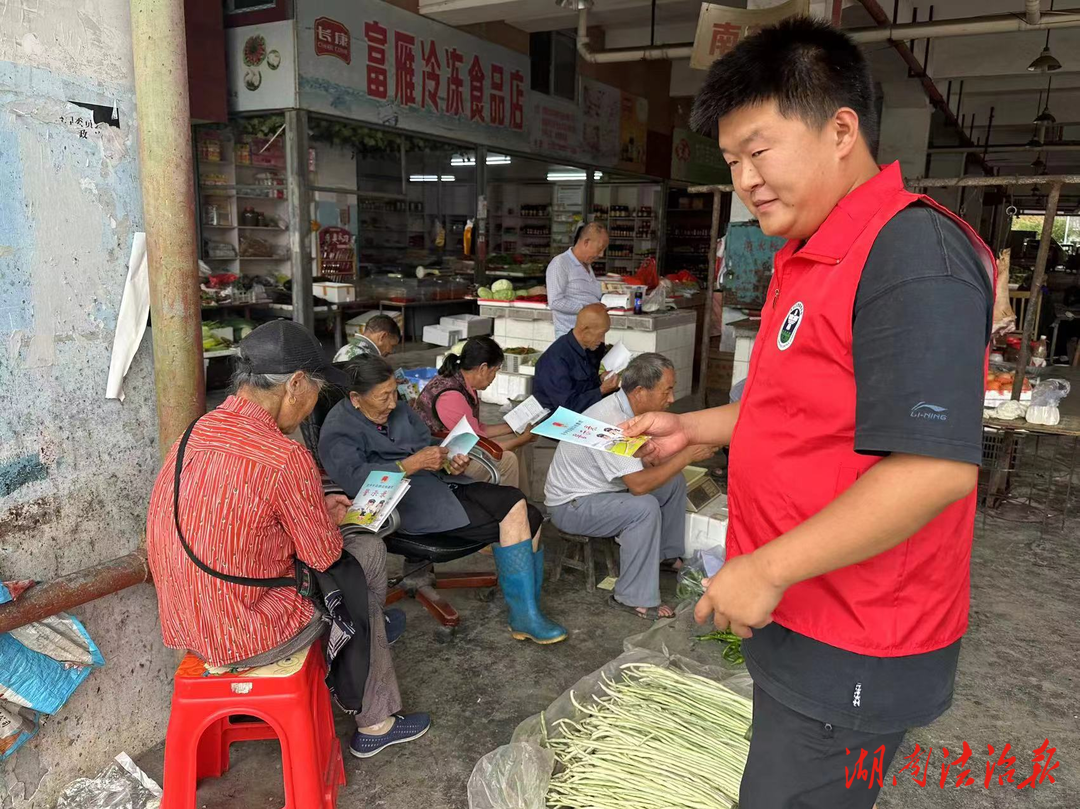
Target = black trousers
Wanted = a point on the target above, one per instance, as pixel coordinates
(797, 762)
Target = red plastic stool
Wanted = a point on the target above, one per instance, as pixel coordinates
(293, 704)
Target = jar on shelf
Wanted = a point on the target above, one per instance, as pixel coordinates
(248, 218)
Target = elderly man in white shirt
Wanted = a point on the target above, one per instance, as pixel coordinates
(571, 283)
(599, 494)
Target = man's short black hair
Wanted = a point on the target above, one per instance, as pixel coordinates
(383, 324)
(806, 66)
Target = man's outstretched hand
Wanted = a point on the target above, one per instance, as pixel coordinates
(668, 435)
(740, 595)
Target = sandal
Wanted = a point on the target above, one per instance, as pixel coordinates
(650, 614)
(671, 565)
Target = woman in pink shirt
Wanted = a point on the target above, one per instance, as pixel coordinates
(453, 395)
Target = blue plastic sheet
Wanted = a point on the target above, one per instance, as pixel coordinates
(34, 680)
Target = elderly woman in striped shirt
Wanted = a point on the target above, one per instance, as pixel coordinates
(250, 502)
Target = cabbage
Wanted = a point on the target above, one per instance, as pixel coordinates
(503, 294)
(503, 284)
(484, 292)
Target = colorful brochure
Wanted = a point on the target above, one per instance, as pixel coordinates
(376, 500)
(566, 425)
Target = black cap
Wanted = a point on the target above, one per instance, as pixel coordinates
(285, 347)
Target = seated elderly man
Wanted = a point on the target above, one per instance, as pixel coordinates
(381, 336)
(599, 494)
(568, 373)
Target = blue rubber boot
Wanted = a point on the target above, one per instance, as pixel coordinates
(517, 578)
(538, 572)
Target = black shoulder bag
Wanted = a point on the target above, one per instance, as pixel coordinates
(304, 580)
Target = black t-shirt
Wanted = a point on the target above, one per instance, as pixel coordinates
(921, 323)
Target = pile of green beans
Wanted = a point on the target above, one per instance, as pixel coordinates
(655, 739)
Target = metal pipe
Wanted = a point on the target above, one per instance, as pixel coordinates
(1037, 280)
(159, 47)
(964, 27)
(75, 589)
(942, 182)
(660, 52)
(1007, 147)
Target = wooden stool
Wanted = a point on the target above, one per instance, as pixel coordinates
(576, 552)
(290, 703)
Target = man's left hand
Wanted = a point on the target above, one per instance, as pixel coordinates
(740, 596)
(336, 506)
(458, 464)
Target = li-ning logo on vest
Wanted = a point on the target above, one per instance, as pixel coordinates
(786, 336)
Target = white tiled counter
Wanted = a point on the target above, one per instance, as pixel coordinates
(672, 334)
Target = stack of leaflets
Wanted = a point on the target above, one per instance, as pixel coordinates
(525, 415)
(376, 500)
(566, 425)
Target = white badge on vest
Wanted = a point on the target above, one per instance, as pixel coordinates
(786, 336)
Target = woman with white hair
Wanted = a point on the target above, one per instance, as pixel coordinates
(249, 503)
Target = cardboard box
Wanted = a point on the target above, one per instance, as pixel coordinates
(469, 325)
(441, 336)
(334, 291)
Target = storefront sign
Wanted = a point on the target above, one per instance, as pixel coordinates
(601, 114)
(720, 28)
(332, 39)
(697, 159)
(261, 67)
(408, 71)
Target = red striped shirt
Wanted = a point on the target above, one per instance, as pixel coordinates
(250, 501)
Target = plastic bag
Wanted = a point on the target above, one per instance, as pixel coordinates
(656, 301)
(701, 565)
(514, 776)
(121, 785)
(1045, 399)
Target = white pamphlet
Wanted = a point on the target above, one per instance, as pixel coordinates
(459, 441)
(525, 415)
(616, 360)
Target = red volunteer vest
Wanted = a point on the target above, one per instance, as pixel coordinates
(792, 451)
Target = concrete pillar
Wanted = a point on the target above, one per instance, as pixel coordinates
(159, 47)
(296, 170)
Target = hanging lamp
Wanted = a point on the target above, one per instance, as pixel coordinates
(1046, 118)
(1045, 61)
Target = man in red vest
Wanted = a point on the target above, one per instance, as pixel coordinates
(854, 449)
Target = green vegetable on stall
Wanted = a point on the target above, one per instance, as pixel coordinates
(656, 739)
(485, 293)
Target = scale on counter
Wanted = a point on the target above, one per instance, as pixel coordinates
(701, 488)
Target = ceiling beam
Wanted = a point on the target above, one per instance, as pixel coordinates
(936, 98)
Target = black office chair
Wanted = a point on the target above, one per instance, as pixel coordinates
(421, 552)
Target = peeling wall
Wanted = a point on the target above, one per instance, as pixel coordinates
(75, 469)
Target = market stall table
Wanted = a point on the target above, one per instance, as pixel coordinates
(411, 307)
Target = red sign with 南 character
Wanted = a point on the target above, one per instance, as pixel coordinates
(332, 39)
(720, 28)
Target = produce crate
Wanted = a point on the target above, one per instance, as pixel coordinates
(512, 362)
